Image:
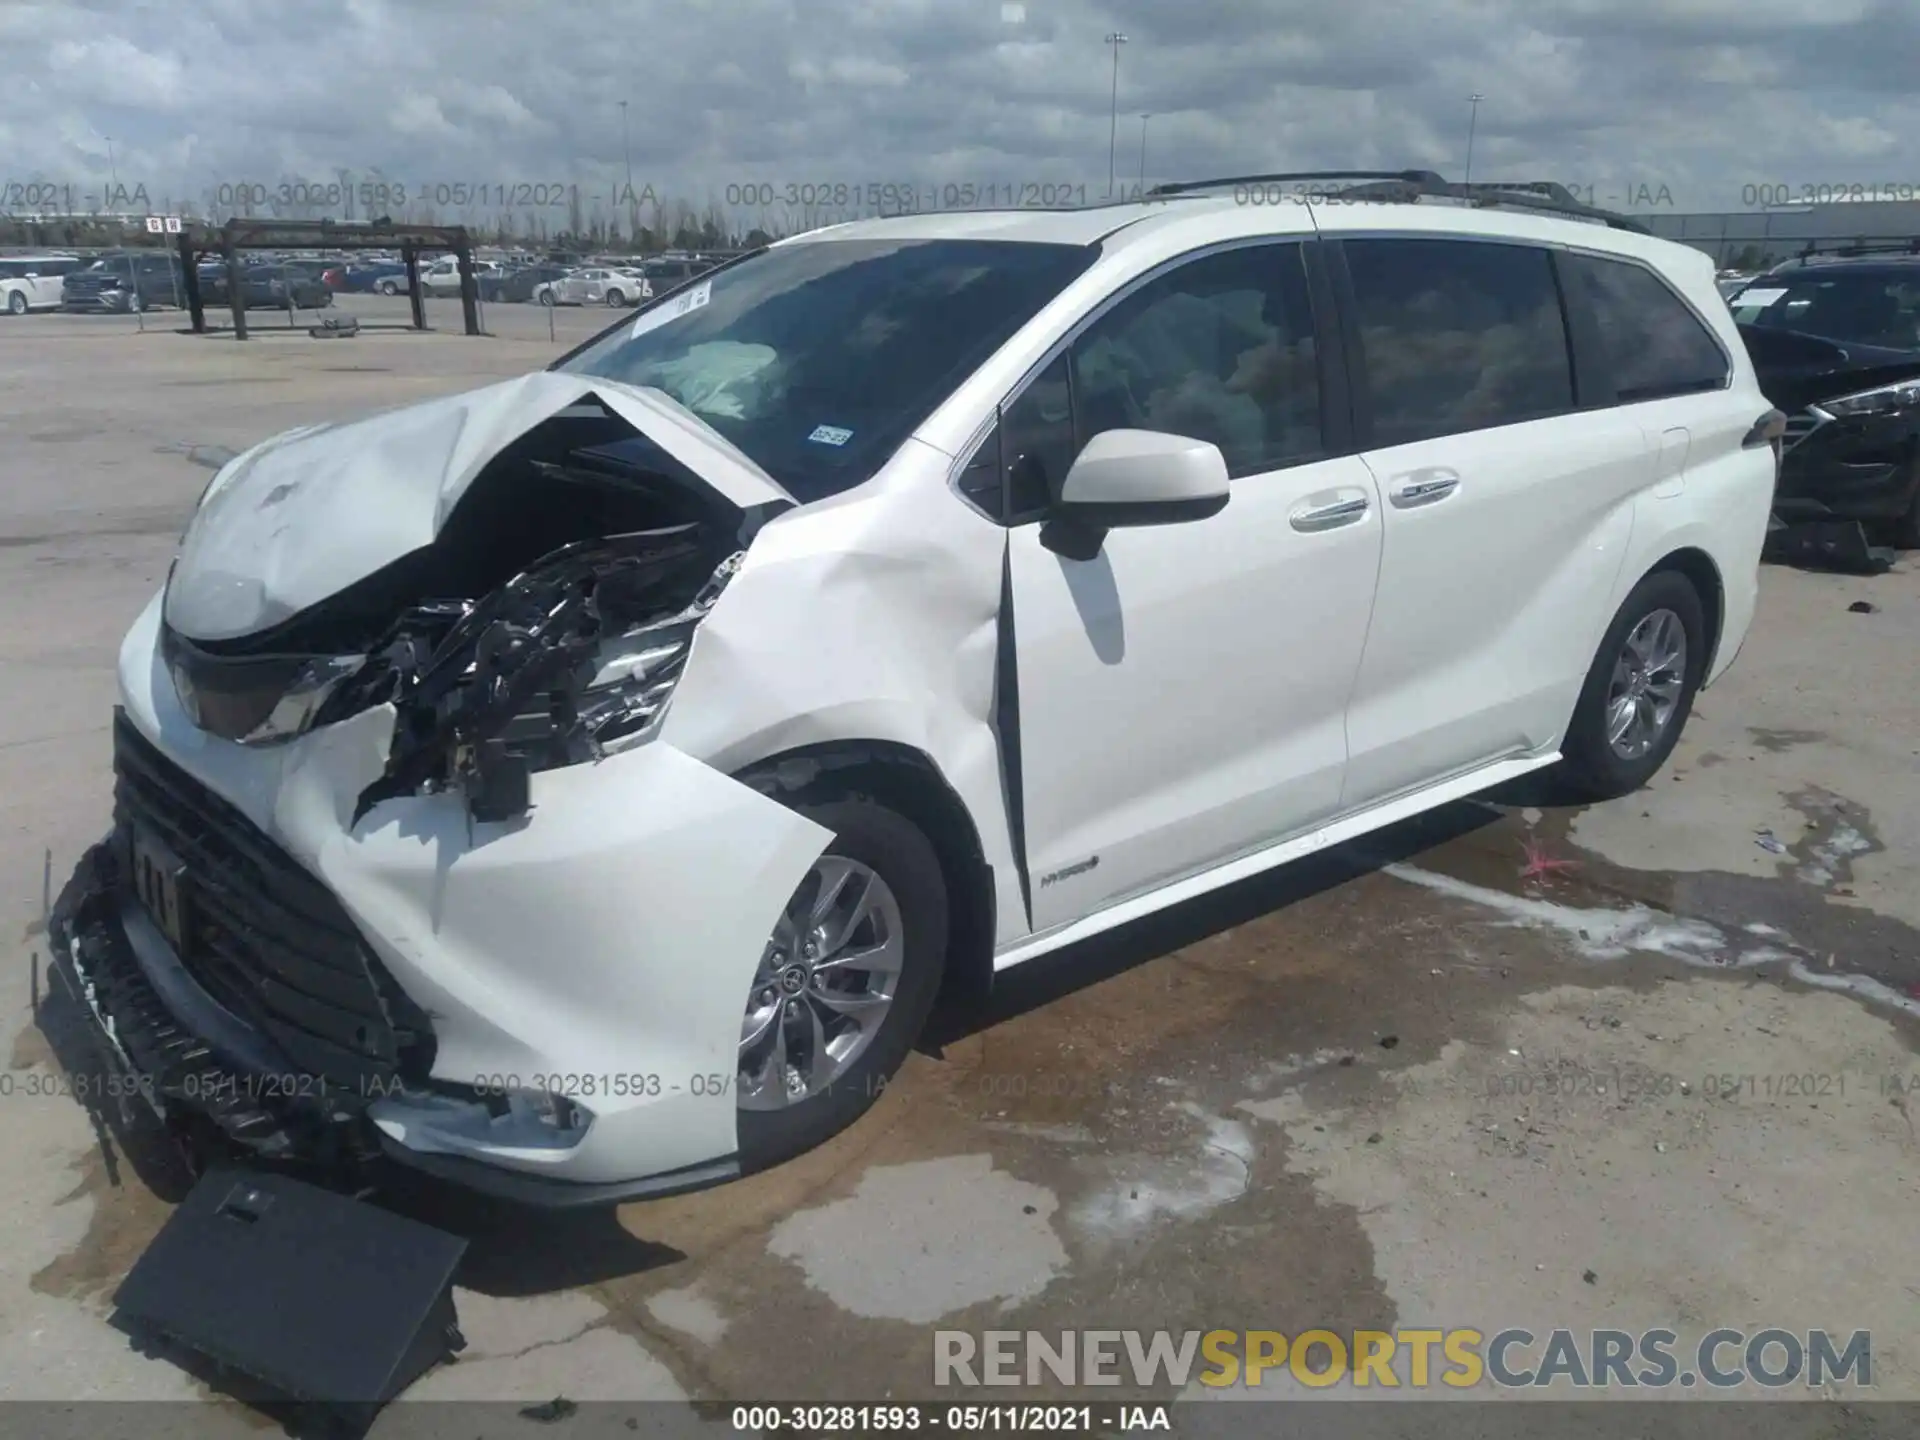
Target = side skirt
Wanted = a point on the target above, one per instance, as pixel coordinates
(1350, 827)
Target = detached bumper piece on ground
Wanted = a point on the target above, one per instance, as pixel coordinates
(1826, 545)
(329, 1302)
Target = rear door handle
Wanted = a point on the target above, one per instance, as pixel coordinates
(1422, 487)
(1310, 519)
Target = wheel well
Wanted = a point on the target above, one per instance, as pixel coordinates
(908, 782)
(1700, 572)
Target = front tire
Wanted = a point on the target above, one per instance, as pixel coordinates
(546, 298)
(845, 983)
(387, 287)
(616, 299)
(1639, 691)
(17, 303)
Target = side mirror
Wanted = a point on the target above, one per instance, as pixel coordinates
(1132, 478)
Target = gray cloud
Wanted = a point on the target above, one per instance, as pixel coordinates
(1703, 97)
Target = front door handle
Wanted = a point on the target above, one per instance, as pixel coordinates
(1423, 487)
(1310, 519)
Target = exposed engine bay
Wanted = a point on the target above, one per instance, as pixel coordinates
(546, 625)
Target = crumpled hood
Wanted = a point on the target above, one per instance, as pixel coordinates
(307, 513)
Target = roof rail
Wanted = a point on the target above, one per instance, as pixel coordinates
(1547, 196)
(1842, 248)
(1409, 186)
(1188, 187)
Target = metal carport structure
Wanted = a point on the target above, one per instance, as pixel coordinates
(246, 234)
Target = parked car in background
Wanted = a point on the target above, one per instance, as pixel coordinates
(665, 274)
(594, 285)
(668, 726)
(126, 281)
(33, 282)
(518, 286)
(640, 278)
(443, 276)
(1837, 346)
(373, 277)
(277, 286)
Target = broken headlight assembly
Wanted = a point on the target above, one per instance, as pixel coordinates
(256, 699)
(574, 660)
(1881, 400)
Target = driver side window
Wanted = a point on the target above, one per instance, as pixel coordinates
(1220, 349)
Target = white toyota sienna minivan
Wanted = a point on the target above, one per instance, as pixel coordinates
(578, 788)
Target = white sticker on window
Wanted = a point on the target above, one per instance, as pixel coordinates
(830, 435)
(1756, 297)
(671, 310)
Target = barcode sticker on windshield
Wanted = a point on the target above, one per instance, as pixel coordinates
(670, 310)
(1757, 297)
(830, 435)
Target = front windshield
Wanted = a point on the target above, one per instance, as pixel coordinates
(1864, 308)
(818, 359)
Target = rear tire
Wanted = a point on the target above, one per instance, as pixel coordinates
(546, 298)
(877, 842)
(1638, 694)
(616, 299)
(387, 287)
(17, 303)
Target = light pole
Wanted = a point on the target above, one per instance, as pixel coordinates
(112, 169)
(626, 149)
(1116, 40)
(1473, 117)
(1145, 115)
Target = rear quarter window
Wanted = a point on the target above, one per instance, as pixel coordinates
(1653, 343)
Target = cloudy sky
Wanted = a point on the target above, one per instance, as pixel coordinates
(1706, 98)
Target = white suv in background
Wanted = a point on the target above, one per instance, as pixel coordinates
(442, 277)
(579, 788)
(32, 282)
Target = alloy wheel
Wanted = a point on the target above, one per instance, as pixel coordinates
(1649, 677)
(824, 985)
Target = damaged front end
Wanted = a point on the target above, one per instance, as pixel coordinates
(545, 626)
(528, 608)
(566, 664)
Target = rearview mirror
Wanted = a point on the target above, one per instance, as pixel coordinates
(1133, 478)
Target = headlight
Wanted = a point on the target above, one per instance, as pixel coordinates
(1881, 400)
(614, 700)
(252, 699)
(566, 664)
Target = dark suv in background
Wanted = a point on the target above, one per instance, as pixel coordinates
(1836, 343)
(124, 281)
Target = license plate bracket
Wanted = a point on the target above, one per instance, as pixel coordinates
(159, 884)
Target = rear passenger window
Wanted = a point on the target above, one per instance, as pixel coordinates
(1653, 342)
(1458, 335)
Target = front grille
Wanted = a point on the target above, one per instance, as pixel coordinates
(1801, 424)
(264, 938)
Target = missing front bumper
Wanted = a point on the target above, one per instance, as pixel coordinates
(154, 1058)
(176, 1049)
